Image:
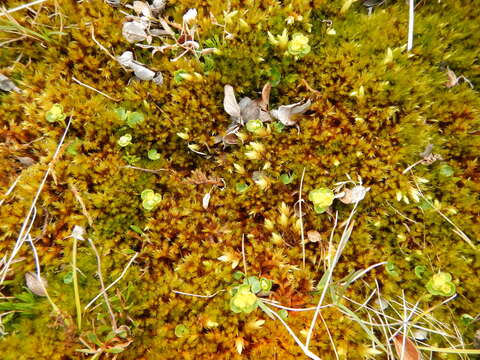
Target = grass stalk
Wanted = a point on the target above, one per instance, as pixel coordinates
(78, 306)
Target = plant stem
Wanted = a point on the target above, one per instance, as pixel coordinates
(75, 284)
(411, 19)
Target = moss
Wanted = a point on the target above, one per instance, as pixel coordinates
(373, 114)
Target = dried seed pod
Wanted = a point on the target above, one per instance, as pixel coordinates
(36, 285)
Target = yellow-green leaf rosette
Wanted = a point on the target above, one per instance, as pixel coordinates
(298, 45)
(243, 300)
(321, 198)
(441, 284)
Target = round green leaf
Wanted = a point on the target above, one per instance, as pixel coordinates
(181, 331)
(153, 154)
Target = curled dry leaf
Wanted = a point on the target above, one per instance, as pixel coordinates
(113, 3)
(314, 236)
(410, 352)
(25, 160)
(206, 200)
(265, 96)
(158, 5)
(354, 195)
(286, 114)
(36, 285)
(140, 70)
(142, 8)
(135, 31)
(8, 85)
(78, 232)
(230, 104)
(125, 59)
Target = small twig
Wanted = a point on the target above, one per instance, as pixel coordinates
(196, 295)
(302, 232)
(22, 234)
(297, 340)
(100, 277)
(10, 189)
(102, 47)
(24, 6)
(243, 255)
(82, 204)
(39, 278)
(402, 215)
(113, 283)
(343, 241)
(457, 230)
(329, 336)
(412, 166)
(92, 88)
(78, 305)
(274, 304)
(143, 169)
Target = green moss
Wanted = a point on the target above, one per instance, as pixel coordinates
(373, 133)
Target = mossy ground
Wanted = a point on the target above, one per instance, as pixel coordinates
(405, 107)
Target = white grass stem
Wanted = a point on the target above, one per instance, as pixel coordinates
(100, 277)
(302, 232)
(113, 283)
(10, 189)
(243, 255)
(343, 241)
(24, 6)
(92, 88)
(197, 295)
(297, 340)
(22, 234)
(411, 19)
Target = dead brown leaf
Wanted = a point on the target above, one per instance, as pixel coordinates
(198, 177)
(410, 352)
(314, 236)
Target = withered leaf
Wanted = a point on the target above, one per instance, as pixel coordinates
(265, 96)
(134, 31)
(314, 236)
(354, 195)
(230, 104)
(8, 85)
(206, 200)
(286, 113)
(36, 285)
(410, 352)
(142, 8)
(198, 177)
